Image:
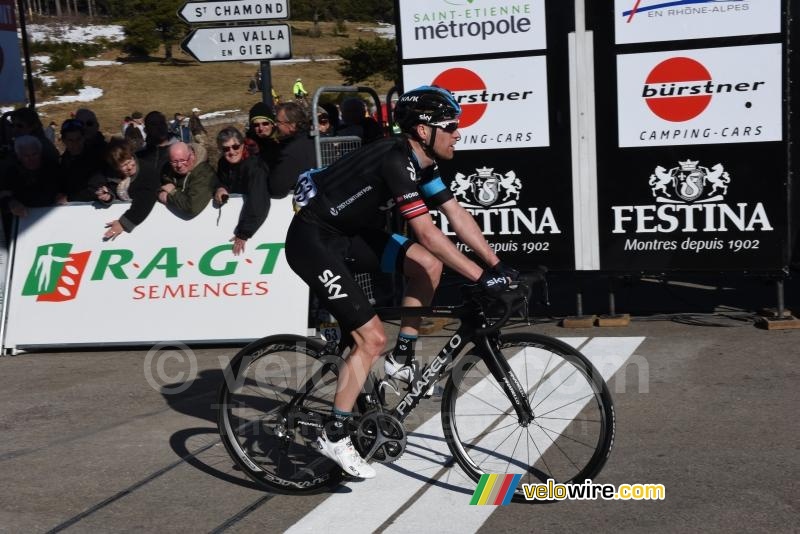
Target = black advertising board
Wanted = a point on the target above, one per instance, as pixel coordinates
(507, 64)
(692, 143)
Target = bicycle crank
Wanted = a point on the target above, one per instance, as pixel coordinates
(380, 437)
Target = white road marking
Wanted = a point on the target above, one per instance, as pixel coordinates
(365, 506)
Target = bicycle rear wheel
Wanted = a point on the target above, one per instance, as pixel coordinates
(276, 394)
(572, 432)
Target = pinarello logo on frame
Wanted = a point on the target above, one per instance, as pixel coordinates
(463, 83)
(678, 89)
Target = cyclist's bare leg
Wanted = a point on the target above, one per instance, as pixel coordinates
(369, 340)
(423, 272)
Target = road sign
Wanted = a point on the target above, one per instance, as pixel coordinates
(239, 43)
(233, 10)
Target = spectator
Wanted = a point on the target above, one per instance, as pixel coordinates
(333, 115)
(276, 98)
(78, 165)
(125, 123)
(31, 181)
(298, 90)
(356, 122)
(252, 88)
(50, 132)
(240, 172)
(262, 135)
(199, 133)
(134, 133)
(324, 123)
(188, 185)
(295, 153)
(94, 139)
(180, 129)
(25, 121)
(130, 181)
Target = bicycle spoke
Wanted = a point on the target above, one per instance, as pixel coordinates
(567, 404)
(546, 430)
(541, 378)
(555, 388)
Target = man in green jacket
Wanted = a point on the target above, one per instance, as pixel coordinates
(188, 183)
(298, 89)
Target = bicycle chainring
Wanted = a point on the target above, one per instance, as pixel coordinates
(380, 437)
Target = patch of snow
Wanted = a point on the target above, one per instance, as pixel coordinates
(218, 113)
(44, 60)
(87, 94)
(74, 34)
(295, 60)
(47, 80)
(384, 30)
(100, 63)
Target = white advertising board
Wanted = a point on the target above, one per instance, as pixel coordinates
(445, 28)
(645, 21)
(705, 96)
(12, 88)
(168, 280)
(504, 101)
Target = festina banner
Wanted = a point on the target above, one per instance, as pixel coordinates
(504, 101)
(168, 280)
(447, 28)
(645, 21)
(525, 215)
(12, 88)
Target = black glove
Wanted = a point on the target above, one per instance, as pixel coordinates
(493, 283)
(506, 270)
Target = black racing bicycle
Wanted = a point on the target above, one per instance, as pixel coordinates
(513, 403)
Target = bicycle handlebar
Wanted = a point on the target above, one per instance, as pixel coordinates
(519, 290)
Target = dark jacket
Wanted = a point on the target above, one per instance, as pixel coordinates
(295, 155)
(144, 189)
(250, 178)
(33, 189)
(75, 175)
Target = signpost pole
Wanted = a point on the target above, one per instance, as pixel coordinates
(26, 53)
(266, 84)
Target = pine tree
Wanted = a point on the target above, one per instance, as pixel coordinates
(153, 24)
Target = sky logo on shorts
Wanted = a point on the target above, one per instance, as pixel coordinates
(495, 489)
(329, 280)
(56, 274)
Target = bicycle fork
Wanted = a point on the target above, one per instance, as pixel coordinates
(489, 347)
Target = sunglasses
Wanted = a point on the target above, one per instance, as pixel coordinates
(447, 126)
(231, 148)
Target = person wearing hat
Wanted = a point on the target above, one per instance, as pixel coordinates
(261, 132)
(298, 89)
(199, 132)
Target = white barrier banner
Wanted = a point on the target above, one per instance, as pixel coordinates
(647, 21)
(494, 94)
(446, 28)
(168, 280)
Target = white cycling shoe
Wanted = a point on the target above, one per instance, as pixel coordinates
(345, 454)
(397, 371)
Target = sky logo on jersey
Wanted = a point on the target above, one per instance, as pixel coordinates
(56, 274)
(638, 8)
(495, 489)
(680, 89)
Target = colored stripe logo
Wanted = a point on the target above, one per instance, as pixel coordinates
(495, 489)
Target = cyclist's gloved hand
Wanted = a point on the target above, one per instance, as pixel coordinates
(506, 270)
(493, 283)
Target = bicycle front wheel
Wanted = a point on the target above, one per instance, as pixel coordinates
(274, 398)
(572, 431)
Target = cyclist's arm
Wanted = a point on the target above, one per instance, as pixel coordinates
(429, 236)
(468, 231)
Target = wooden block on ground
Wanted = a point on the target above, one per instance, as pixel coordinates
(773, 312)
(614, 320)
(431, 325)
(776, 323)
(583, 321)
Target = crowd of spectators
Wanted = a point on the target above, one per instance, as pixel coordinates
(155, 160)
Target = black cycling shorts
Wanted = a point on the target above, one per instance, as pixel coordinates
(325, 261)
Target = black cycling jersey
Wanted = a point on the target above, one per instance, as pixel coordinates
(356, 191)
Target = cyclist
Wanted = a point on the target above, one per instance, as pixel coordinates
(298, 89)
(348, 200)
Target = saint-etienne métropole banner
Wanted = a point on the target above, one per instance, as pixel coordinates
(692, 164)
(168, 280)
(505, 61)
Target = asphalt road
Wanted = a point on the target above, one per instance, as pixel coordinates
(88, 444)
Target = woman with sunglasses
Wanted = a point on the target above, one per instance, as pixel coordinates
(239, 172)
